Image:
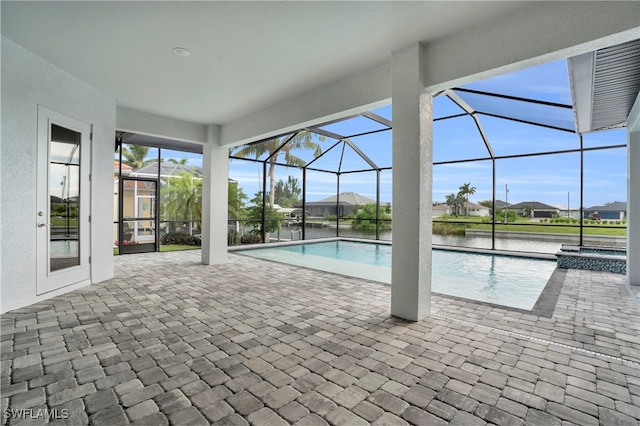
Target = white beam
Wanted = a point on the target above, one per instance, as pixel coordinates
(144, 123)
(581, 70)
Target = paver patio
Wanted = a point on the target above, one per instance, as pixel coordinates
(171, 341)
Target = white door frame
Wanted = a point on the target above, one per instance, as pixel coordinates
(48, 280)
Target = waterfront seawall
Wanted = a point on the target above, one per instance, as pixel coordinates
(598, 240)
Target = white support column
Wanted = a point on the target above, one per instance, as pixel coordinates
(412, 177)
(215, 181)
(633, 194)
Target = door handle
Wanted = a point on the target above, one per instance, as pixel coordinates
(41, 225)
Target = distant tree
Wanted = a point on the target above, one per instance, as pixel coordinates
(254, 213)
(466, 190)
(182, 161)
(365, 218)
(486, 203)
(236, 200)
(134, 155)
(454, 201)
(528, 210)
(301, 141)
(287, 194)
(181, 199)
(511, 215)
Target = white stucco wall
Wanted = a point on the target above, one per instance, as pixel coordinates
(29, 81)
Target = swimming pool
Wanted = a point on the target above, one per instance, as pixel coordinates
(503, 280)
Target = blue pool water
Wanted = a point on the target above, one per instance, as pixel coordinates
(510, 281)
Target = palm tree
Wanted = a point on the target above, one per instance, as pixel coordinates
(466, 190)
(134, 155)
(302, 140)
(453, 200)
(236, 200)
(182, 199)
(182, 161)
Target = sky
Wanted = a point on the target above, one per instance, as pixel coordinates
(550, 179)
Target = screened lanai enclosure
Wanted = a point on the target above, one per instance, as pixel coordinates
(322, 181)
(515, 167)
(511, 171)
(157, 194)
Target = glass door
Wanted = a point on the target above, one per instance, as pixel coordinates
(138, 215)
(62, 218)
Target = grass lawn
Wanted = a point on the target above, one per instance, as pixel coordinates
(164, 248)
(613, 230)
(60, 221)
(474, 222)
(177, 247)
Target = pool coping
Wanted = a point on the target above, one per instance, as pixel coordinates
(525, 254)
(543, 307)
(545, 304)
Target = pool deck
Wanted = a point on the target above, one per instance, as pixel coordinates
(171, 341)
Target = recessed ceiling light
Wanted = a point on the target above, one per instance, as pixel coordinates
(181, 51)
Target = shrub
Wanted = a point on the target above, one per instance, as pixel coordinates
(617, 222)
(180, 238)
(330, 217)
(365, 218)
(605, 222)
(443, 228)
(251, 239)
(233, 237)
(511, 215)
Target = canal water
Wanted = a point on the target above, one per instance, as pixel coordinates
(484, 242)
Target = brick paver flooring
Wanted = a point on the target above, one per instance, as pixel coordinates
(170, 341)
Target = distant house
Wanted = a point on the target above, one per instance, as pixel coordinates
(571, 213)
(440, 210)
(288, 212)
(471, 209)
(342, 205)
(126, 169)
(610, 211)
(539, 209)
(500, 204)
(474, 209)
